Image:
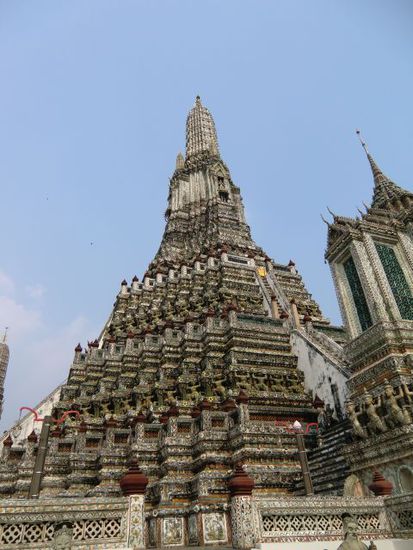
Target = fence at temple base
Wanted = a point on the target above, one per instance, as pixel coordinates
(116, 523)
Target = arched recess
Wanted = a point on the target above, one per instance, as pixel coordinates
(406, 479)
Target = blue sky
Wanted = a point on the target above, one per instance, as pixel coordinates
(93, 102)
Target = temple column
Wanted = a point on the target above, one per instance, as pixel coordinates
(274, 307)
(26, 467)
(295, 316)
(133, 485)
(243, 517)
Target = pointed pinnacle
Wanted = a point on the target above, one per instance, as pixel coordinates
(331, 212)
(325, 221)
(363, 143)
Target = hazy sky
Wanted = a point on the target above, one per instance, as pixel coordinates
(93, 100)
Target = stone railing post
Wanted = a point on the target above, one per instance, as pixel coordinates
(133, 485)
(243, 522)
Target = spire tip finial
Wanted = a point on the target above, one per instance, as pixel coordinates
(5, 334)
(363, 143)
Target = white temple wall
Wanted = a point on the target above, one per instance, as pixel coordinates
(23, 427)
(319, 371)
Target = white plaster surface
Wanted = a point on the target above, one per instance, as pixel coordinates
(319, 371)
(23, 427)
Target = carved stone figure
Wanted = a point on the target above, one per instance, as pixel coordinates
(259, 381)
(375, 424)
(353, 487)
(322, 421)
(63, 538)
(394, 413)
(358, 430)
(219, 387)
(351, 541)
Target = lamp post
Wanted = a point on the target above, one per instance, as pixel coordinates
(40, 458)
(37, 475)
(302, 455)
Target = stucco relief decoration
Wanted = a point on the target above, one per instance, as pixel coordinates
(172, 532)
(214, 527)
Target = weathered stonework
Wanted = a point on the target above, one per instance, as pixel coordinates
(205, 365)
(379, 356)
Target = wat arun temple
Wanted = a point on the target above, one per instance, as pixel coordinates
(219, 407)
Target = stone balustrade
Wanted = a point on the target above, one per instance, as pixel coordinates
(111, 523)
(102, 523)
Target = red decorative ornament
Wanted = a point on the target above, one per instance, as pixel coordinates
(110, 423)
(242, 398)
(141, 418)
(380, 486)
(228, 405)
(240, 483)
(164, 417)
(205, 405)
(134, 482)
(8, 442)
(173, 411)
(32, 437)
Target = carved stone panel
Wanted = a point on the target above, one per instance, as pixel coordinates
(172, 531)
(214, 527)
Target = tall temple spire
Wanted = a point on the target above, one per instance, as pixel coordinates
(201, 136)
(4, 361)
(385, 190)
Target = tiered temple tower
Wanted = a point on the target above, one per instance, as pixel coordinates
(205, 365)
(4, 361)
(195, 370)
(371, 259)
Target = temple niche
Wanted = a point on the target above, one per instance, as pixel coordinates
(219, 406)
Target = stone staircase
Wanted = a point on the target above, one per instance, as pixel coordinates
(328, 467)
